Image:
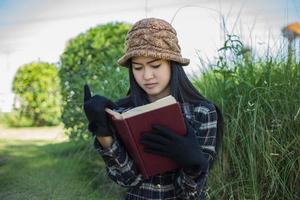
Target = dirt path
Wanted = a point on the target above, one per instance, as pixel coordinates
(43, 133)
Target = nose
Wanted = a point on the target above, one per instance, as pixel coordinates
(148, 73)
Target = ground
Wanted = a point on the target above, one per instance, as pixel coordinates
(41, 163)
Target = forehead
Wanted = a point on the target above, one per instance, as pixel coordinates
(143, 59)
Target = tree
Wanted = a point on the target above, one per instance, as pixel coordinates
(36, 85)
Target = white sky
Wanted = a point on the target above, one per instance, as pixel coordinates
(39, 29)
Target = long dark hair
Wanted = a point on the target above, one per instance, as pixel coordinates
(180, 87)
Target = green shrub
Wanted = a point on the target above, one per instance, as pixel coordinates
(15, 118)
(36, 86)
(91, 58)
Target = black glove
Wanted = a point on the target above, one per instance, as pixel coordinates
(184, 150)
(94, 108)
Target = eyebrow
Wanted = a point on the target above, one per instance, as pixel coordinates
(147, 62)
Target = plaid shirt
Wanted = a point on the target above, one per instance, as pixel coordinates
(176, 184)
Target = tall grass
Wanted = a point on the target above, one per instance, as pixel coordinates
(260, 100)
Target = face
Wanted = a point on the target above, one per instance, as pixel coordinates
(152, 75)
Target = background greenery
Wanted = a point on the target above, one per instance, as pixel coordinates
(91, 58)
(260, 100)
(260, 158)
(36, 86)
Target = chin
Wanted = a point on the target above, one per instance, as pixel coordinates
(153, 93)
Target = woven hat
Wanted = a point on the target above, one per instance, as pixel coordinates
(154, 38)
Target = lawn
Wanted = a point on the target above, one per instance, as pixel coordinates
(52, 170)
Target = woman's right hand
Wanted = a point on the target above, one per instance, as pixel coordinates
(94, 108)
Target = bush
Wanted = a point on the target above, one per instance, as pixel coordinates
(91, 58)
(36, 86)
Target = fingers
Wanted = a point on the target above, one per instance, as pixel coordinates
(111, 104)
(164, 131)
(155, 148)
(154, 138)
(157, 152)
(87, 92)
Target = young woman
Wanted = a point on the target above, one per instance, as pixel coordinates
(155, 65)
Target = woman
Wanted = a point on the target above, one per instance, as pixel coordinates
(153, 58)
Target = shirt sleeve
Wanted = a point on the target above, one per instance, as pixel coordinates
(119, 165)
(206, 129)
(191, 185)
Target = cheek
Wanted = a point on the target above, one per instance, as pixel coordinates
(137, 76)
(165, 74)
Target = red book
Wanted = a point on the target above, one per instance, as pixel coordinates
(132, 123)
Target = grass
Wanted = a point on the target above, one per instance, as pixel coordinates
(260, 100)
(44, 170)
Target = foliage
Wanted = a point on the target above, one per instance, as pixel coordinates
(261, 104)
(36, 86)
(91, 58)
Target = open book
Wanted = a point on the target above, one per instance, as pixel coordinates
(132, 123)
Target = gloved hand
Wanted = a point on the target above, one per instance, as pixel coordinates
(94, 108)
(184, 150)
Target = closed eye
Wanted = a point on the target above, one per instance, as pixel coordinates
(137, 67)
(156, 66)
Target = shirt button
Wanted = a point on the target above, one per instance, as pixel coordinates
(158, 185)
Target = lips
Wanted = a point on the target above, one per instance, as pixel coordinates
(150, 85)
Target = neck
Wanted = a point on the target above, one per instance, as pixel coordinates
(153, 98)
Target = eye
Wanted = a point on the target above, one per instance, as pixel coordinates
(137, 68)
(156, 66)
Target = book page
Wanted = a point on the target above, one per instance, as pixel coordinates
(114, 113)
(168, 100)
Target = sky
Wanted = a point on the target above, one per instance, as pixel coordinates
(32, 30)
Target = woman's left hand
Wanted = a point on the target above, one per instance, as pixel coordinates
(185, 150)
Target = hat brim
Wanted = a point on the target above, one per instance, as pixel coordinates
(124, 60)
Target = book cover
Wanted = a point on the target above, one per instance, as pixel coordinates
(131, 124)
